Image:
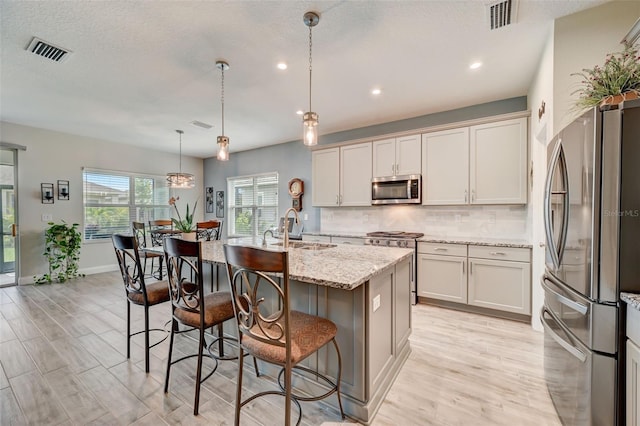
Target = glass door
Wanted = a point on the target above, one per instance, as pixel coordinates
(8, 225)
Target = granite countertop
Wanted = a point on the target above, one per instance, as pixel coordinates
(632, 299)
(337, 234)
(343, 266)
(478, 241)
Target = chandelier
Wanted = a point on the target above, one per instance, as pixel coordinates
(179, 179)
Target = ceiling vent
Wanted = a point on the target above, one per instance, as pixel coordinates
(201, 124)
(502, 13)
(48, 50)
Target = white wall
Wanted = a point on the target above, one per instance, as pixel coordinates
(582, 40)
(541, 133)
(51, 156)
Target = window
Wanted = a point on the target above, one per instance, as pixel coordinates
(112, 200)
(253, 204)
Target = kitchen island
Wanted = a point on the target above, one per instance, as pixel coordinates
(366, 292)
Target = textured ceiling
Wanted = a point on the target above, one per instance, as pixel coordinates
(141, 69)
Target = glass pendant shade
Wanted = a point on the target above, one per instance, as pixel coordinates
(223, 148)
(310, 128)
(181, 180)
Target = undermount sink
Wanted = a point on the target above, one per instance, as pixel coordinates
(307, 245)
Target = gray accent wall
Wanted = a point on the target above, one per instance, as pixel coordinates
(293, 159)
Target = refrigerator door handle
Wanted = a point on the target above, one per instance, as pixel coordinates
(578, 307)
(566, 345)
(564, 230)
(547, 207)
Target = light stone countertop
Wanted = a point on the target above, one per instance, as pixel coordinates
(478, 241)
(632, 299)
(343, 266)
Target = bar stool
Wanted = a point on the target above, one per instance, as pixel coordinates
(137, 291)
(270, 331)
(191, 307)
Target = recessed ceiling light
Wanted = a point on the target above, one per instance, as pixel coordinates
(475, 65)
(299, 112)
(282, 66)
(376, 91)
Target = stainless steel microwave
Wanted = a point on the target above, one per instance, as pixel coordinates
(396, 190)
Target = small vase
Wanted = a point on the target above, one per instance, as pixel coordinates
(189, 236)
(616, 99)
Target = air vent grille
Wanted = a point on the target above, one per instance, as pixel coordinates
(201, 124)
(501, 13)
(48, 50)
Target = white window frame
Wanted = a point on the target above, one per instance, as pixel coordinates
(131, 205)
(255, 206)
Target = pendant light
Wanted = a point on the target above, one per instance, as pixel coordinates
(310, 118)
(181, 180)
(223, 141)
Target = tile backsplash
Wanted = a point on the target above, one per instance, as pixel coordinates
(445, 221)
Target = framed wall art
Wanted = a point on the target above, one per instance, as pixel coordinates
(208, 196)
(219, 203)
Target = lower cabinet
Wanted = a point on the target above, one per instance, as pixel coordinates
(442, 272)
(632, 390)
(633, 383)
(497, 278)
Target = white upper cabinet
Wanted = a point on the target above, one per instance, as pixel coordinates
(355, 175)
(325, 177)
(342, 176)
(498, 162)
(397, 156)
(445, 167)
(483, 164)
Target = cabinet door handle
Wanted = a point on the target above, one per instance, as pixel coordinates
(466, 196)
(473, 195)
(337, 199)
(470, 268)
(340, 198)
(441, 249)
(497, 253)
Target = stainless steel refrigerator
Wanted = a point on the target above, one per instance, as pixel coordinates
(592, 225)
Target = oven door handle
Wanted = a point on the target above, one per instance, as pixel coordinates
(566, 345)
(578, 307)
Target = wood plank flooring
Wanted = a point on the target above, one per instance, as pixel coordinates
(63, 362)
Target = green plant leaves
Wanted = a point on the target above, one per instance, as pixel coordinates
(62, 250)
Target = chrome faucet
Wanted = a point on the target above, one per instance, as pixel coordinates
(285, 244)
(264, 236)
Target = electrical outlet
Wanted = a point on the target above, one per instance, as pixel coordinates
(47, 217)
(492, 218)
(365, 218)
(458, 218)
(376, 303)
(306, 216)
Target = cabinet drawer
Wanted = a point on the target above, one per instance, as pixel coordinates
(348, 240)
(515, 254)
(443, 249)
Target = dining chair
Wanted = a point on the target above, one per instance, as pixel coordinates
(270, 330)
(192, 308)
(136, 289)
(139, 232)
(209, 230)
(159, 225)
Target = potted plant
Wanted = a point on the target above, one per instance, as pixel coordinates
(62, 250)
(184, 225)
(617, 80)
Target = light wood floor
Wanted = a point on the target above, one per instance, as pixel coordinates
(62, 358)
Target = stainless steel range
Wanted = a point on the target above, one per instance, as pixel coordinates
(403, 240)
